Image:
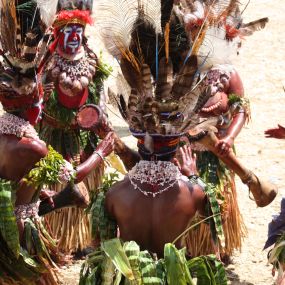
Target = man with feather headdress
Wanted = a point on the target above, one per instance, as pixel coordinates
(216, 30)
(154, 202)
(77, 76)
(27, 164)
(179, 49)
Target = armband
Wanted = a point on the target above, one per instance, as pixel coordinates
(195, 179)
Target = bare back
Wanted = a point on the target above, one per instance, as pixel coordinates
(18, 156)
(152, 222)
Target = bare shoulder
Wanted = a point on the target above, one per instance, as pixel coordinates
(36, 147)
(114, 194)
(236, 85)
(198, 195)
(116, 191)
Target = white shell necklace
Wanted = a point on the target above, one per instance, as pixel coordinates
(155, 174)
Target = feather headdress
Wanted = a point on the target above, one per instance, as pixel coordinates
(216, 28)
(163, 65)
(161, 100)
(22, 42)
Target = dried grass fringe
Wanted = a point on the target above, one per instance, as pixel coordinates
(71, 226)
(198, 240)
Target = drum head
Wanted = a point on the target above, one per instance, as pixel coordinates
(89, 116)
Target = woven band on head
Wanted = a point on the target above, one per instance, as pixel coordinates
(161, 145)
(72, 17)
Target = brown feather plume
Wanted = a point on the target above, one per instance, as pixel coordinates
(185, 77)
(165, 80)
(146, 80)
(9, 25)
(255, 25)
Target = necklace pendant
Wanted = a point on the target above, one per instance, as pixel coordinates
(153, 195)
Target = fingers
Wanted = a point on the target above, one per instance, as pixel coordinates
(177, 163)
(223, 148)
(47, 196)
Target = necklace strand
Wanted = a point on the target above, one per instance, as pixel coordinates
(154, 173)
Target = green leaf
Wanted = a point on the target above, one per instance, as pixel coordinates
(114, 250)
(148, 269)
(176, 271)
(200, 270)
(132, 251)
(8, 225)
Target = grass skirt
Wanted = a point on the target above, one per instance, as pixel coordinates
(199, 239)
(71, 226)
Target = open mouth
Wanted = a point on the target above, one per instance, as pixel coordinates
(73, 45)
(212, 107)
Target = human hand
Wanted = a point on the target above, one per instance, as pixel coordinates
(48, 89)
(106, 146)
(104, 127)
(186, 161)
(223, 146)
(47, 195)
(277, 133)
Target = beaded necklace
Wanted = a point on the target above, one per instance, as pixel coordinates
(155, 174)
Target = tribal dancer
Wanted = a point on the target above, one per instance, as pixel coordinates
(27, 165)
(155, 202)
(216, 30)
(77, 76)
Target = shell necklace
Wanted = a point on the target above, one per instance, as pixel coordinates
(157, 174)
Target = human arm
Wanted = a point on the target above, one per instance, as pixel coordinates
(127, 155)
(104, 148)
(225, 143)
(277, 133)
(186, 162)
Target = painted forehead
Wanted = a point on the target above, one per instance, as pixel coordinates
(72, 28)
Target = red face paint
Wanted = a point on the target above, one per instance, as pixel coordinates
(70, 38)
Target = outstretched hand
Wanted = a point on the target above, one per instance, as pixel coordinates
(106, 146)
(185, 160)
(278, 133)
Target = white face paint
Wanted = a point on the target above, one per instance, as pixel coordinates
(72, 38)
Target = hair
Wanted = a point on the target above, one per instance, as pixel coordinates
(164, 154)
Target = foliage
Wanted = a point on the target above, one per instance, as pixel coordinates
(108, 180)
(46, 171)
(102, 225)
(58, 111)
(131, 266)
(8, 226)
(207, 270)
(19, 264)
(277, 255)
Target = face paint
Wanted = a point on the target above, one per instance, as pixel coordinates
(70, 38)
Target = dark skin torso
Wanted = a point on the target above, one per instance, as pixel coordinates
(153, 222)
(18, 157)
